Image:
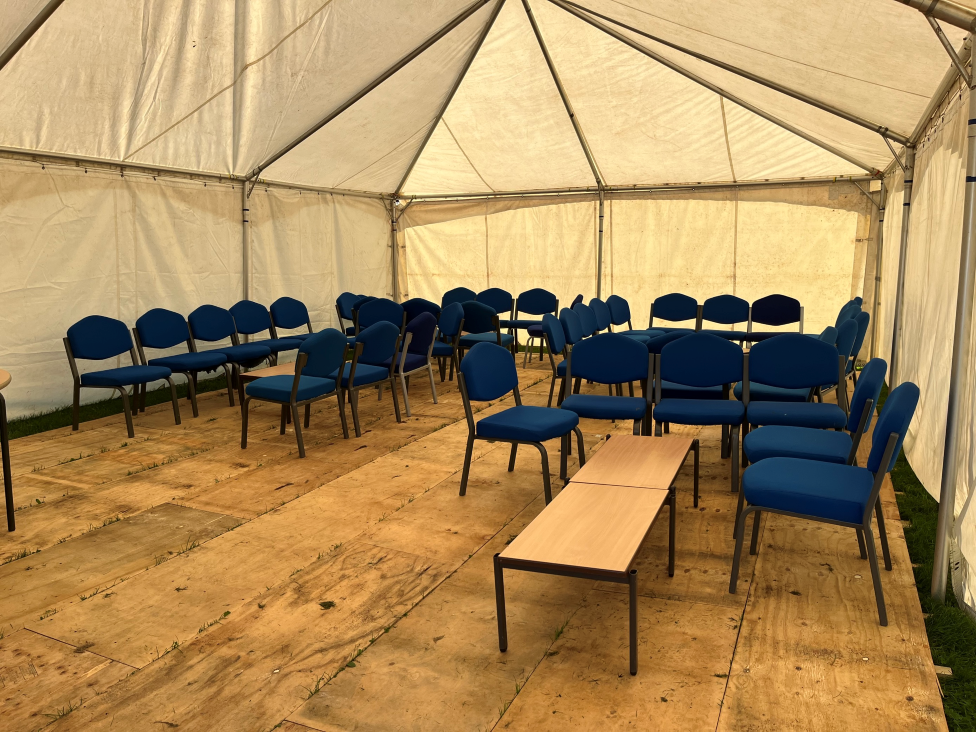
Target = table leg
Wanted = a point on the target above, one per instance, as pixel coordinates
(500, 605)
(673, 501)
(8, 486)
(696, 446)
(633, 621)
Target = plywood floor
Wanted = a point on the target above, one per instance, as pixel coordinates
(175, 581)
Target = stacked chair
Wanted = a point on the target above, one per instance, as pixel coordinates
(482, 325)
(211, 324)
(458, 295)
(445, 348)
(415, 355)
(674, 308)
(252, 318)
(290, 314)
(373, 362)
(537, 302)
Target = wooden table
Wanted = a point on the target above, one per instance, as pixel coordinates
(8, 487)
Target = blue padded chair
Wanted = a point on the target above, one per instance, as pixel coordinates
(725, 310)
(619, 311)
(290, 314)
(160, 328)
(488, 373)
(319, 359)
(354, 311)
(552, 331)
(482, 325)
(372, 365)
(846, 336)
(531, 302)
(449, 327)
(674, 308)
(705, 361)
(587, 319)
(844, 495)
(459, 295)
(499, 300)
(849, 311)
(210, 324)
(252, 318)
(379, 310)
(344, 304)
(415, 355)
(766, 393)
(96, 338)
(863, 320)
(576, 300)
(602, 314)
(610, 358)
(572, 334)
(775, 310)
(794, 361)
(417, 305)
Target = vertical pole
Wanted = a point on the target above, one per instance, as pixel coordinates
(960, 362)
(395, 253)
(246, 240)
(902, 257)
(876, 309)
(599, 251)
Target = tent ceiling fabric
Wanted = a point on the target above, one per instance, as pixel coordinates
(221, 86)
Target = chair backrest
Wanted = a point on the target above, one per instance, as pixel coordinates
(96, 337)
(587, 318)
(701, 359)
(536, 302)
(380, 310)
(417, 305)
(499, 300)
(250, 317)
(846, 334)
(577, 300)
(489, 372)
(211, 323)
(776, 310)
(829, 335)
(450, 321)
(656, 344)
(859, 300)
(868, 387)
(619, 310)
(793, 361)
(848, 311)
(553, 330)
(359, 302)
(345, 302)
(610, 358)
(862, 319)
(459, 295)
(896, 415)
(602, 314)
(379, 342)
(326, 351)
(422, 327)
(159, 328)
(725, 309)
(478, 317)
(572, 327)
(674, 307)
(287, 312)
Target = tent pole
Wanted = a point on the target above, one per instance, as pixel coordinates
(946, 11)
(599, 251)
(394, 250)
(246, 241)
(961, 338)
(25, 35)
(877, 274)
(712, 87)
(902, 261)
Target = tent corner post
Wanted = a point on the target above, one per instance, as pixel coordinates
(902, 257)
(599, 249)
(394, 248)
(246, 241)
(876, 305)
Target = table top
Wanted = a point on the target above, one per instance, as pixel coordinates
(636, 461)
(4, 378)
(282, 369)
(590, 526)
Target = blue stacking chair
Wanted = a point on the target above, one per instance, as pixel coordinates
(96, 338)
(159, 328)
(488, 373)
(775, 310)
(601, 312)
(576, 300)
(291, 314)
(725, 310)
(448, 327)
(482, 325)
(846, 336)
(459, 295)
(251, 318)
(674, 308)
(572, 334)
(844, 495)
(372, 365)
(344, 304)
(417, 305)
(863, 320)
(587, 319)
(849, 311)
(610, 358)
(319, 360)
(619, 311)
(531, 302)
(499, 300)
(702, 360)
(210, 324)
(354, 311)
(379, 310)
(552, 331)
(415, 354)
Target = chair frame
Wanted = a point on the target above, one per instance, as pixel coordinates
(496, 322)
(641, 426)
(235, 366)
(405, 375)
(441, 364)
(351, 392)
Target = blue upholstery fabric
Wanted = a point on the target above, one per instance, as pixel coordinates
(530, 424)
(587, 318)
(159, 328)
(250, 317)
(896, 415)
(793, 361)
(776, 310)
(700, 359)
(808, 414)
(422, 329)
(561, 368)
(602, 314)
(766, 393)
(863, 320)
(576, 301)
(417, 305)
(868, 387)
(470, 339)
(594, 406)
(125, 376)
(478, 317)
(189, 362)
(277, 345)
(725, 309)
(859, 301)
(553, 329)
(380, 310)
(825, 490)
(442, 349)
(641, 338)
(846, 335)
(365, 374)
(379, 342)
(609, 358)
(847, 312)
(298, 336)
(412, 362)
(497, 299)
(535, 331)
(829, 335)
(450, 320)
(359, 302)
(287, 312)
(536, 302)
(729, 335)
(96, 337)
(211, 323)
(244, 353)
(345, 302)
(489, 372)
(797, 442)
(699, 411)
(518, 323)
(619, 310)
(458, 295)
(657, 343)
(326, 351)
(674, 307)
(278, 388)
(572, 327)
(671, 390)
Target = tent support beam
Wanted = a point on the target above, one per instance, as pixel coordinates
(712, 87)
(902, 262)
(246, 241)
(956, 61)
(562, 94)
(443, 31)
(876, 309)
(599, 250)
(947, 12)
(450, 96)
(812, 101)
(894, 155)
(25, 35)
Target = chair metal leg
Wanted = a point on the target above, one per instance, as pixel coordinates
(672, 520)
(564, 444)
(75, 408)
(860, 544)
(525, 356)
(632, 581)
(8, 484)
(511, 459)
(406, 396)
(726, 440)
(562, 391)
(552, 389)
(354, 406)
(244, 416)
(469, 448)
(546, 486)
(433, 389)
(882, 534)
(191, 391)
(128, 412)
(576, 385)
(298, 430)
(754, 545)
(284, 418)
(637, 424)
(396, 404)
(442, 367)
(696, 447)
(581, 449)
(176, 400)
(875, 575)
(735, 458)
(342, 413)
(657, 429)
(308, 415)
(630, 389)
(740, 530)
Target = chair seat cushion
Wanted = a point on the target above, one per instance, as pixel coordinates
(278, 388)
(535, 331)
(640, 337)
(824, 490)
(442, 349)
(765, 393)
(297, 336)
(277, 345)
(365, 374)
(730, 335)
(650, 332)
(244, 353)
(595, 406)
(469, 340)
(531, 424)
(671, 390)
(202, 361)
(807, 414)
(413, 362)
(350, 330)
(797, 442)
(519, 323)
(699, 411)
(125, 376)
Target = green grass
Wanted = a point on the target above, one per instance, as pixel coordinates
(951, 630)
(61, 417)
